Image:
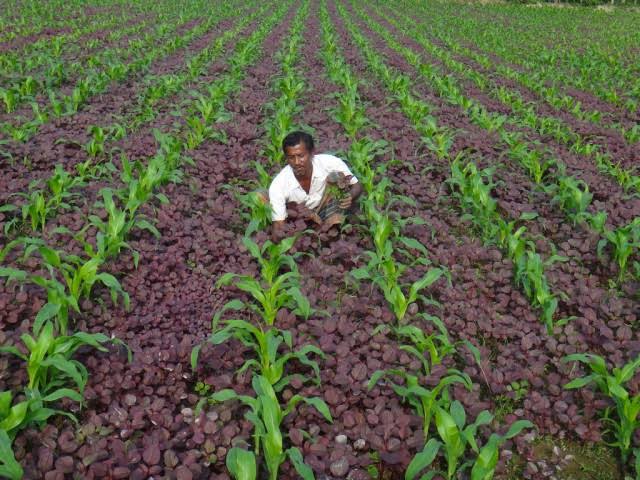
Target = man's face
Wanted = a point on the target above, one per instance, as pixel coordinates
(299, 158)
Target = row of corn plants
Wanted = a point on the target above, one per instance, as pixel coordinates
(36, 55)
(279, 122)
(524, 114)
(457, 439)
(610, 73)
(622, 418)
(55, 70)
(50, 326)
(113, 69)
(530, 272)
(552, 95)
(571, 195)
(555, 128)
(19, 19)
(276, 286)
(42, 203)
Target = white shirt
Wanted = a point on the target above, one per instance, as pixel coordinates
(286, 188)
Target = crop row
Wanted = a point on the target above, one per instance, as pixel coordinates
(475, 196)
(205, 110)
(79, 276)
(607, 70)
(570, 194)
(109, 69)
(20, 20)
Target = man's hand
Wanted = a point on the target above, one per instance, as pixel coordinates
(346, 202)
(354, 193)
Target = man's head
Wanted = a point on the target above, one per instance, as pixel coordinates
(298, 151)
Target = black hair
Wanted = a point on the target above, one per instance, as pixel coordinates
(294, 138)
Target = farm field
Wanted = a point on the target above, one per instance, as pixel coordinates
(476, 318)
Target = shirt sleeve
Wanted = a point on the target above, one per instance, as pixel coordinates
(335, 164)
(278, 202)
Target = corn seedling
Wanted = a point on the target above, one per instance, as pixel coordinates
(422, 399)
(266, 414)
(112, 233)
(623, 241)
(266, 345)
(49, 362)
(572, 195)
(436, 345)
(457, 437)
(259, 211)
(10, 98)
(273, 290)
(623, 420)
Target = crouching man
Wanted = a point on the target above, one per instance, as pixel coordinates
(322, 182)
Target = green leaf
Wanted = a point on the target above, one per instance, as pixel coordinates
(5, 403)
(16, 416)
(63, 392)
(486, 461)
(428, 279)
(458, 414)
(375, 378)
(423, 459)
(14, 351)
(241, 464)
(320, 405)
(516, 427)
(47, 312)
(525, 216)
(194, 356)
(13, 274)
(298, 463)
(579, 382)
(68, 367)
(223, 395)
(9, 467)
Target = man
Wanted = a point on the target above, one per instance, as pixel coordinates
(323, 183)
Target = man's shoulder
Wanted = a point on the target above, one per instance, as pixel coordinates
(326, 157)
(282, 179)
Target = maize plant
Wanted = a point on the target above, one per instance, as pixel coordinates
(40, 205)
(51, 370)
(624, 241)
(259, 211)
(423, 400)
(266, 414)
(270, 363)
(436, 345)
(113, 231)
(456, 438)
(10, 98)
(53, 375)
(440, 143)
(95, 146)
(622, 420)
(386, 272)
(572, 195)
(273, 289)
(71, 278)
